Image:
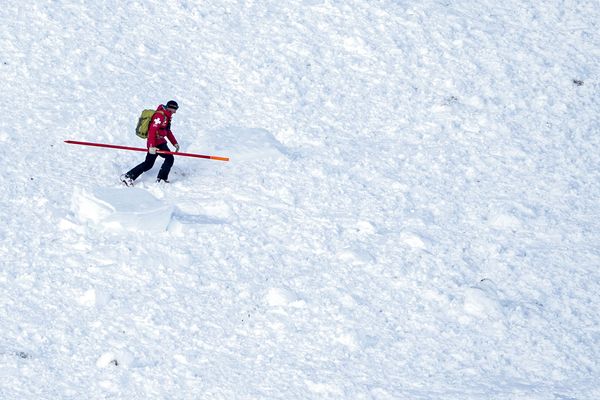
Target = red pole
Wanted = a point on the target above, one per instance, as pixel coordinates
(113, 146)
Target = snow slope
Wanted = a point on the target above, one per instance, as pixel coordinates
(410, 210)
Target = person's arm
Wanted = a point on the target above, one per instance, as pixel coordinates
(172, 139)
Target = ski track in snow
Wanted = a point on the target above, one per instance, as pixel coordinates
(410, 210)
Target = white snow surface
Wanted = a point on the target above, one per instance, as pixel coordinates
(133, 209)
(411, 209)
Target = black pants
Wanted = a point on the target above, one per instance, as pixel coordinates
(149, 163)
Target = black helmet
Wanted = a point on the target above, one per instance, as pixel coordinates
(172, 104)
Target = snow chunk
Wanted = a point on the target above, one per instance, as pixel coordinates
(481, 304)
(366, 227)
(118, 358)
(413, 240)
(241, 144)
(355, 256)
(181, 359)
(94, 298)
(128, 208)
(504, 221)
(106, 359)
(349, 340)
(278, 297)
(324, 388)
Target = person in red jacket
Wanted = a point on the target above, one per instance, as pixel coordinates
(158, 130)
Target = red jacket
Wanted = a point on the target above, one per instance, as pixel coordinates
(160, 126)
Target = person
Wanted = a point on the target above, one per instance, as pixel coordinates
(158, 130)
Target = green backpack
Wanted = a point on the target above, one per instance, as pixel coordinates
(144, 122)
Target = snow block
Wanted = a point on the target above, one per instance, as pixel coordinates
(482, 304)
(280, 297)
(126, 208)
(118, 358)
(94, 298)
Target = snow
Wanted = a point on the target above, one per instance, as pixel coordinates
(133, 209)
(410, 209)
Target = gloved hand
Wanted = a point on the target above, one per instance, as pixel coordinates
(176, 147)
(152, 150)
